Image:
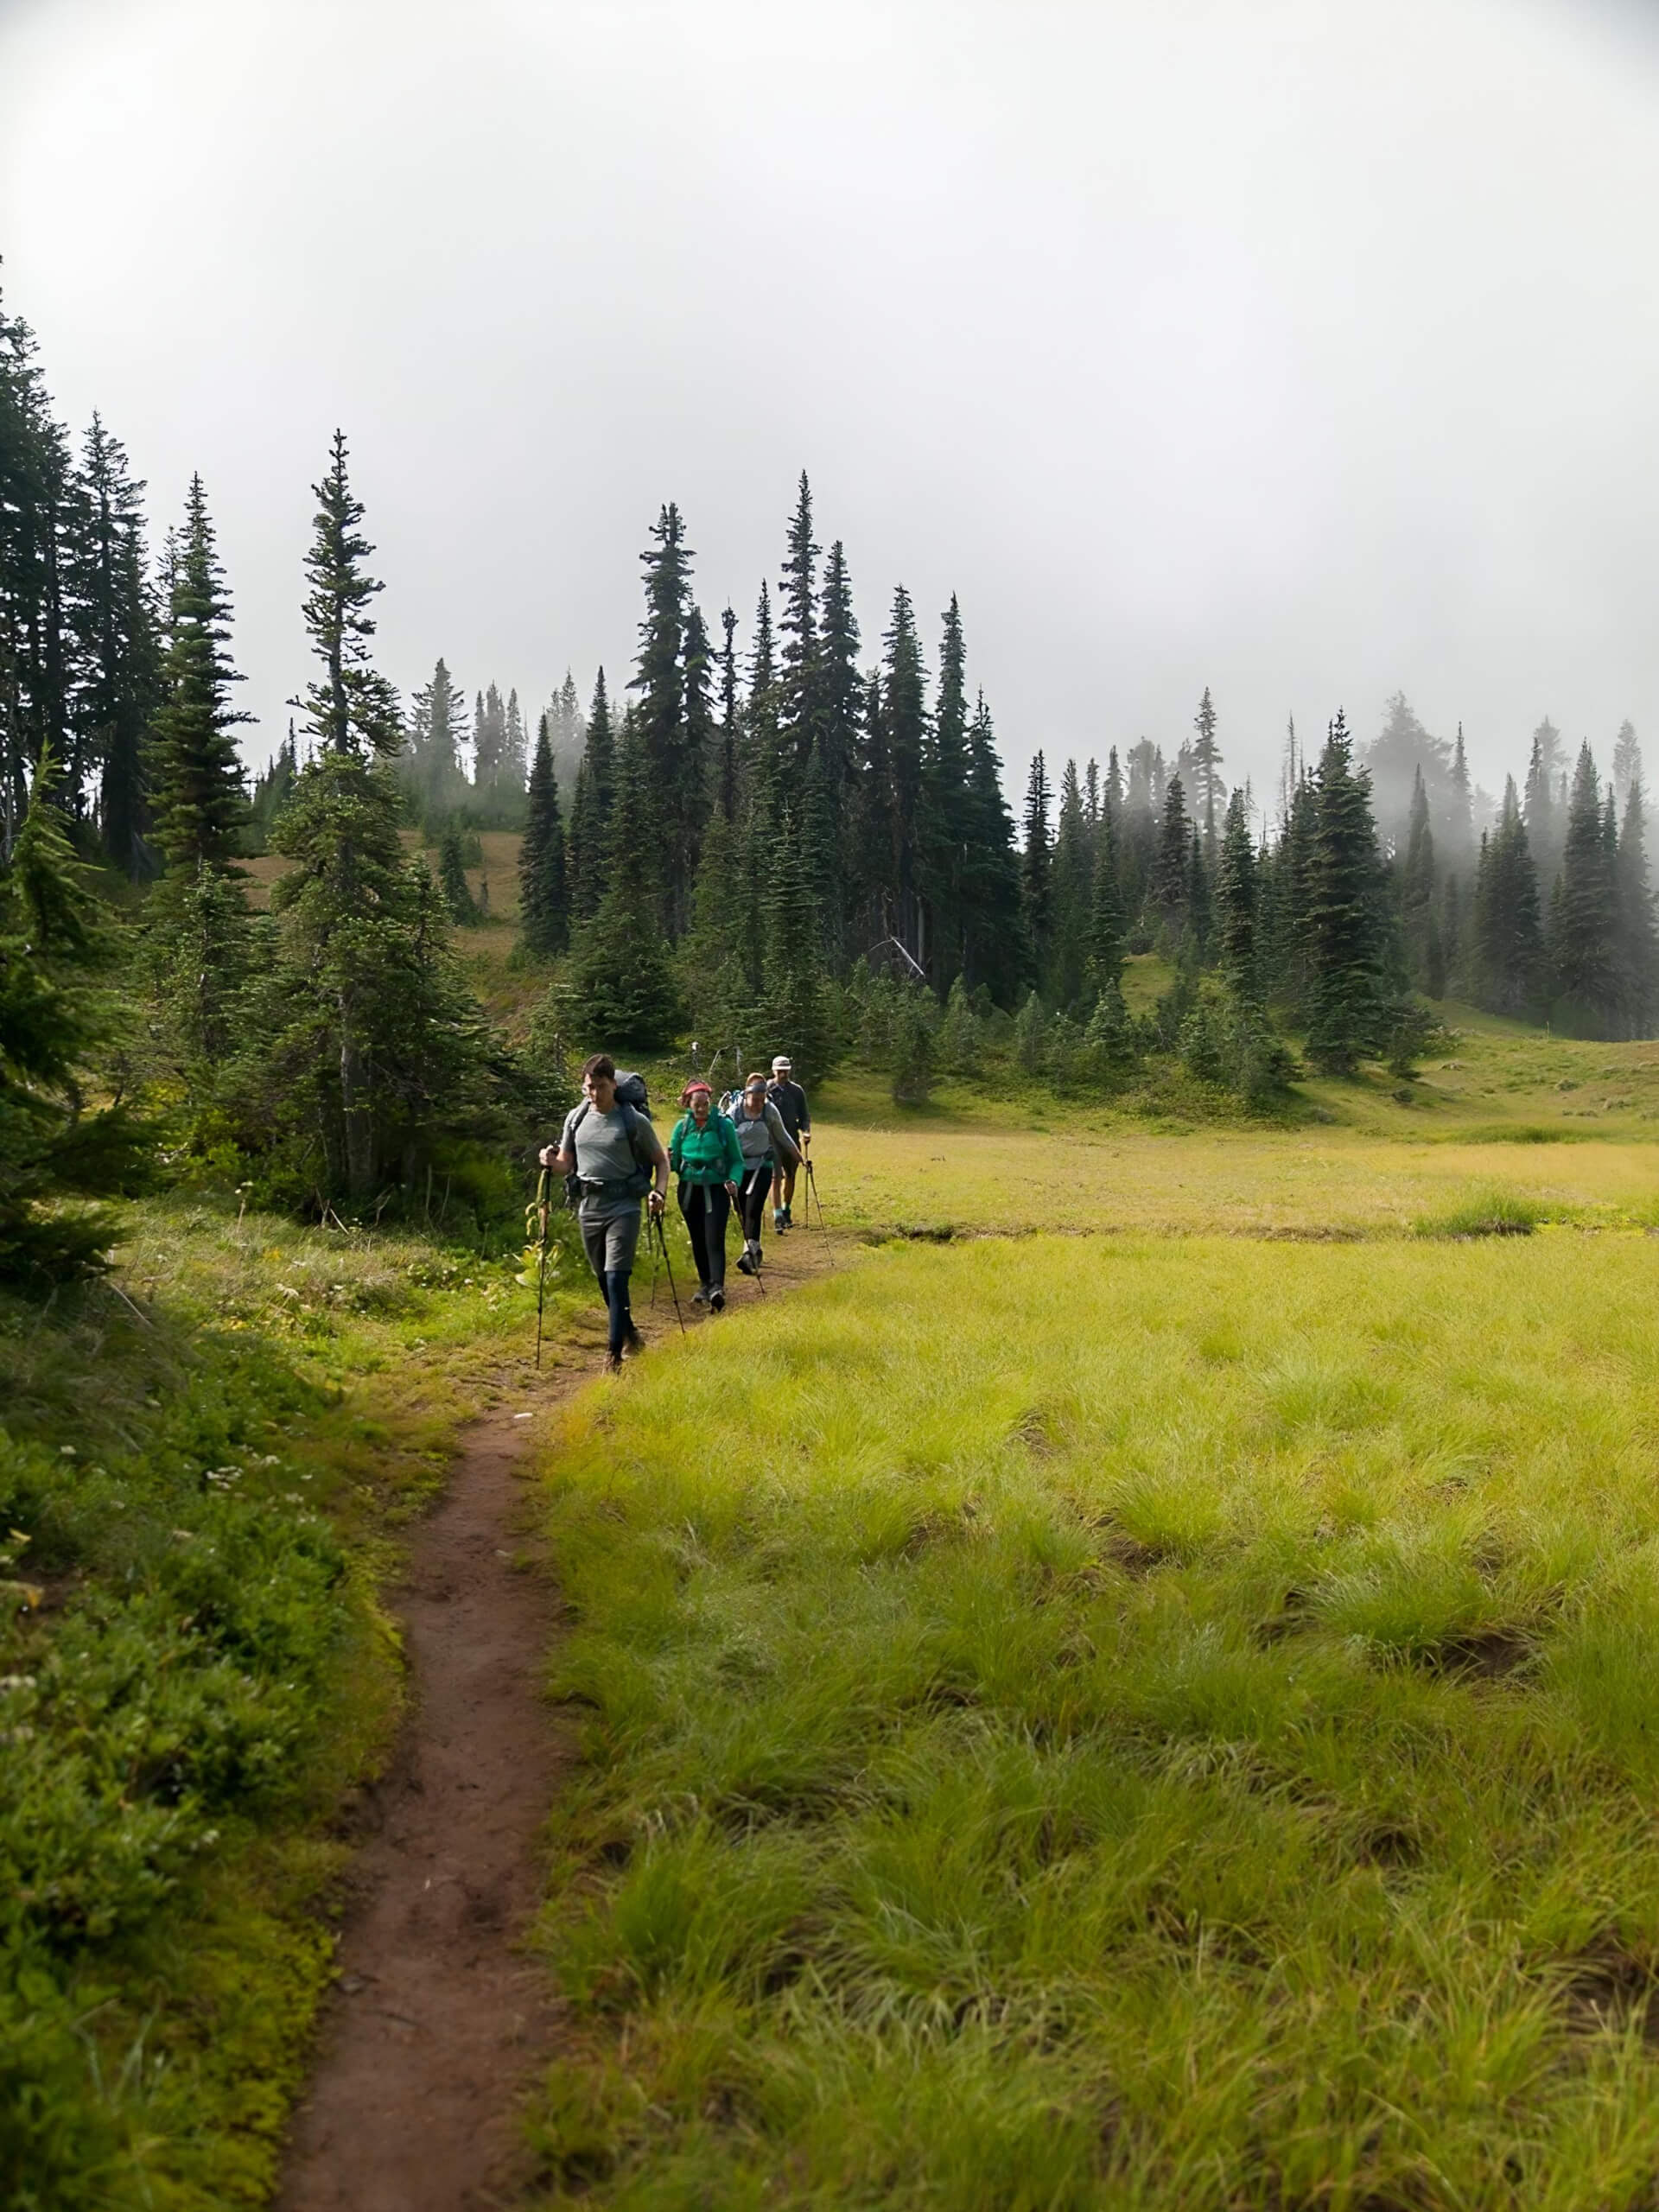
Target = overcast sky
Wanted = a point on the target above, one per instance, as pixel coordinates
(1304, 350)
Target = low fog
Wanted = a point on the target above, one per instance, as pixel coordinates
(1308, 353)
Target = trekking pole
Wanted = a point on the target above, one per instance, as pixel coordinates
(812, 1186)
(662, 1239)
(544, 1195)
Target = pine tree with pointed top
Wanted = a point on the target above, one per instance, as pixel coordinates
(1506, 959)
(1636, 940)
(544, 900)
(1582, 917)
(199, 802)
(590, 809)
(944, 826)
(1235, 903)
(1171, 881)
(726, 796)
(1037, 862)
(1072, 896)
(903, 707)
(112, 633)
(621, 989)
(996, 951)
(1346, 917)
(437, 730)
(1417, 885)
(1208, 793)
(351, 708)
(798, 629)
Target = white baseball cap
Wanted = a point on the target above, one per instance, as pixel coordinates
(783, 1060)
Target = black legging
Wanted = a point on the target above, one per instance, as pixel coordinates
(706, 1207)
(752, 1205)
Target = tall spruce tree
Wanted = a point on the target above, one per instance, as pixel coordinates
(1037, 864)
(1636, 942)
(1507, 956)
(373, 1045)
(437, 730)
(199, 802)
(674, 798)
(113, 643)
(1583, 916)
(1171, 873)
(1349, 947)
(621, 989)
(544, 901)
(945, 824)
(1209, 794)
(590, 809)
(995, 952)
(1417, 886)
(904, 708)
(726, 793)
(1235, 902)
(1072, 897)
(797, 627)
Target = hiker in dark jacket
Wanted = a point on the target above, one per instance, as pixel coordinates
(795, 1115)
(764, 1141)
(704, 1153)
(618, 1158)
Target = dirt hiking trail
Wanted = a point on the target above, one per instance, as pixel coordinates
(439, 2020)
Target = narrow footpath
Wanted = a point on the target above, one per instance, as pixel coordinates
(439, 2020)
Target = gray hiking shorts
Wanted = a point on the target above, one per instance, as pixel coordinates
(611, 1242)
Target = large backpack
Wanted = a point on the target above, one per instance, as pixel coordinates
(635, 1102)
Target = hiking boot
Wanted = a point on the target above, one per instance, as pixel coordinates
(716, 1301)
(744, 1264)
(779, 1220)
(633, 1342)
(613, 1363)
(700, 1295)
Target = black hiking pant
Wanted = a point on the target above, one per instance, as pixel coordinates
(752, 1204)
(707, 1207)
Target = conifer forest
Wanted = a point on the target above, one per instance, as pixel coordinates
(1107, 1659)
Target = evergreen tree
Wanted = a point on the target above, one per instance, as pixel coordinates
(351, 708)
(489, 741)
(544, 906)
(515, 749)
(437, 731)
(674, 796)
(1546, 827)
(590, 809)
(1507, 952)
(1582, 931)
(55, 1019)
(1348, 949)
(1172, 874)
(1637, 943)
(1106, 945)
(798, 690)
(272, 790)
(1627, 762)
(1460, 838)
(1209, 794)
(1037, 863)
(35, 649)
(717, 959)
(995, 951)
(1071, 897)
(794, 977)
(841, 693)
(946, 807)
(621, 989)
(200, 806)
(1236, 899)
(726, 798)
(903, 707)
(372, 1043)
(452, 877)
(1417, 885)
(113, 647)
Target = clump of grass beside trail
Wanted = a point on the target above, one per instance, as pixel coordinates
(1485, 1213)
(199, 1473)
(1131, 1725)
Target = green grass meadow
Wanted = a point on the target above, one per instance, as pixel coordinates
(1134, 1722)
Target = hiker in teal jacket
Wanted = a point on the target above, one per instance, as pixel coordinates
(704, 1153)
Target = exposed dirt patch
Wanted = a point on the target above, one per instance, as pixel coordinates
(438, 2018)
(1608, 1987)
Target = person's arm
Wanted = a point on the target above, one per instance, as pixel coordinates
(780, 1135)
(561, 1157)
(734, 1156)
(806, 1123)
(676, 1146)
(657, 1198)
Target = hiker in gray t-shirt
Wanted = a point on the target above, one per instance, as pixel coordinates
(618, 1158)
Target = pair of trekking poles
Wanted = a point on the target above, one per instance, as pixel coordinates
(543, 1202)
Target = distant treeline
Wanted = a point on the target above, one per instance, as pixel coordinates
(749, 847)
